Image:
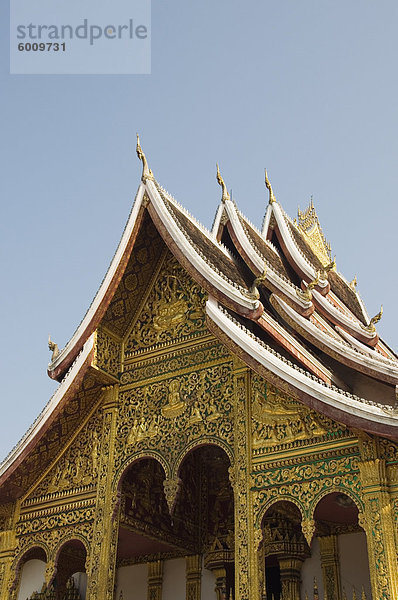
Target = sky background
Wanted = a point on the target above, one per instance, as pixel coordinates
(305, 88)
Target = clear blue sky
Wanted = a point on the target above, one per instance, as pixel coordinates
(308, 89)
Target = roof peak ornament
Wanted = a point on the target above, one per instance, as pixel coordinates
(146, 171)
(308, 224)
(307, 293)
(353, 284)
(371, 327)
(220, 180)
(268, 185)
(54, 347)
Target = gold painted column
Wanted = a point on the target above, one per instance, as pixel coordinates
(377, 521)
(193, 576)
(246, 560)
(290, 569)
(102, 560)
(155, 580)
(330, 566)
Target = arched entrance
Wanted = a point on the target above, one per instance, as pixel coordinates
(282, 552)
(339, 559)
(32, 569)
(169, 527)
(70, 580)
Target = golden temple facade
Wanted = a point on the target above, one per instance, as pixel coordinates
(225, 427)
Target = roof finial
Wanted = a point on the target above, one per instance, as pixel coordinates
(307, 293)
(353, 283)
(225, 194)
(146, 171)
(268, 185)
(54, 347)
(371, 327)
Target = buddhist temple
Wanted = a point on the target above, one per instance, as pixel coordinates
(225, 426)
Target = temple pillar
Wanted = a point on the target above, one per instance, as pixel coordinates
(246, 560)
(377, 521)
(330, 566)
(290, 569)
(102, 559)
(193, 576)
(155, 580)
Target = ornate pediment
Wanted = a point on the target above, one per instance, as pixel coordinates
(174, 310)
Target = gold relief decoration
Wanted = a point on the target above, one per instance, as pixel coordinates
(174, 309)
(171, 488)
(278, 419)
(101, 569)
(168, 415)
(77, 467)
(175, 404)
(107, 353)
(308, 528)
(170, 362)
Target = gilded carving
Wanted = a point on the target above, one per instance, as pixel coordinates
(107, 353)
(174, 309)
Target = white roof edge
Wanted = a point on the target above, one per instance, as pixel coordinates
(197, 261)
(105, 283)
(296, 344)
(296, 377)
(217, 220)
(63, 387)
(382, 364)
(266, 220)
(343, 318)
(271, 275)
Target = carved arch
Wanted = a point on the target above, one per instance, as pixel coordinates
(341, 489)
(65, 540)
(282, 498)
(199, 443)
(19, 561)
(136, 457)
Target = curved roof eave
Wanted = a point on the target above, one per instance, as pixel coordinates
(362, 360)
(334, 403)
(104, 295)
(234, 296)
(259, 264)
(58, 400)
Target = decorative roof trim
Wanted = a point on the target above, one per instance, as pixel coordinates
(375, 365)
(52, 408)
(233, 292)
(259, 263)
(366, 414)
(339, 317)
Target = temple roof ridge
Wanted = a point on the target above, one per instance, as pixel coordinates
(207, 232)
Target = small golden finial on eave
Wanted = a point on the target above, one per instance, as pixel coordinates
(146, 171)
(307, 293)
(54, 348)
(268, 185)
(353, 283)
(371, 327)
(225, 194)
(329, 267)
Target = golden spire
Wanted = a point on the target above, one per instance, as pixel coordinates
(146, 171)
(268, 185)
(225, 194)
(371, 327)
(353, 283)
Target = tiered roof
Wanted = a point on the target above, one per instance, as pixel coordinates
(275, 298)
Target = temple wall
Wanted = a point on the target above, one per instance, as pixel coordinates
(80, 580)
(132, 581)
(354, 567)
(312, 568)
(32, 578)
(174, 582)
